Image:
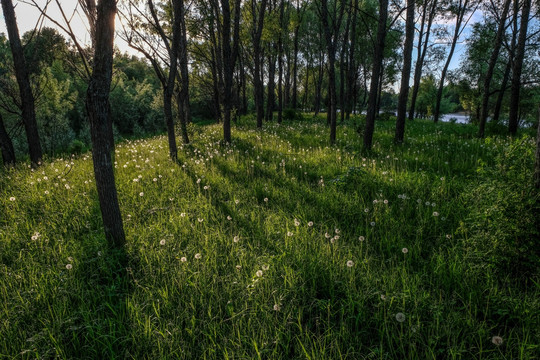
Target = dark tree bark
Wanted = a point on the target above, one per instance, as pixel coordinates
(183, 94)
(351, 69)
(23, 80)
(461, 11)
(331, 33)
(6, 146)
(537, 163)
(258, 22)
(167, 80)
(517, 68)
(97, 106)
(287, 89)
(280, 60)
(491, 67)
(271, 99)
(300, 15)
(375, 75)
(318, 90)
(423, 41)
(405, 74)
(229, 54)
(343, 65)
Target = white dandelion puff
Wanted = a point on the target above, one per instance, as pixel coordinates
(400, 317)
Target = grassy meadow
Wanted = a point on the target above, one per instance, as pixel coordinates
(279, 246)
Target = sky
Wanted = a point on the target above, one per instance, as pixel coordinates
(28, 15)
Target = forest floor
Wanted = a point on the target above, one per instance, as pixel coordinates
(279, 246)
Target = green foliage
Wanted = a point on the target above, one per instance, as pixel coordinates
(427, 98)
(501, 231)
(53, 105)
(292, 114)
(277, 246)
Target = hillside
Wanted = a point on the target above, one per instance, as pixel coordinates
(278, 246)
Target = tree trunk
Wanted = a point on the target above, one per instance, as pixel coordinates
(318, 93)
(537, 164)
(271, 99)
(172, 47)
(405, 74)
(258, 23)
(183, 112)
(331, 51)
(517, 68)
(375, 74)
(342, 69)
(287, 90)
(461, 11)
(295, 69)
(422, 50)
(169, 122)
(229, 55)
(491, 67)
(97, 106)
(6, 146)
(185, 116)
(351, 69)
(23, 80)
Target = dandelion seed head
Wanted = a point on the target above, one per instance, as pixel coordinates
(259, 273)
(69, 266)
(183, 259)
(497, 340)
(404, 250)
(400, 317)
(350, 263)
(198, 256)
(162, 242)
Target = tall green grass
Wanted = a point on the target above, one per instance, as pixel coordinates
(278, 247)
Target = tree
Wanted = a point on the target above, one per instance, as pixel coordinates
(429, 11)
(375, 74)
(518, 67)
(458, 10)
(256, 33)
(406, 73)
(23, 80)
(331, 34)
(226, 56)
(6, 146)
(537, 164)
(491, 67)
(97, 106)
(163, 49)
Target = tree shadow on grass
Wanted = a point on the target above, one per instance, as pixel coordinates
(80, 309)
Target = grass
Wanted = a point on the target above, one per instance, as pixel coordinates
(278, 247)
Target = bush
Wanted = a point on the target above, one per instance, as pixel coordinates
(292, 114)
(501, 230)
(76, 147)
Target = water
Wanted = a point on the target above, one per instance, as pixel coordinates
(459, 118)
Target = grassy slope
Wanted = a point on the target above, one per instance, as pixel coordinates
(281, 288)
